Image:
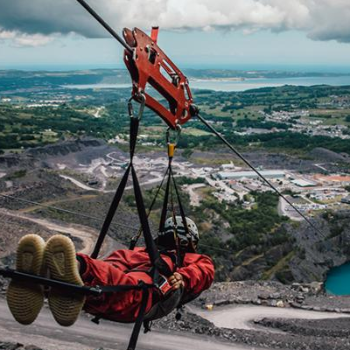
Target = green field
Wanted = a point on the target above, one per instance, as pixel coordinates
(22, 127)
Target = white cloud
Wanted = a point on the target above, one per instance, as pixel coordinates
(23, 40)
(320, 19)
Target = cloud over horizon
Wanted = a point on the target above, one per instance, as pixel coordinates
(33, 22)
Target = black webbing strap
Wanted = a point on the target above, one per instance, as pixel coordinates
(43, 281)
(134, 130)
(137, 237)
(152, 250)
(165, 209)
(142, 311)
(72, 288)
(111, 212)
(125, 287)
(166, 200)
(179, 259)
(139, 320)
(182, 211)
(134, 126)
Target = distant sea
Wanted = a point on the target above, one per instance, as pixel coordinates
(345, 69)
(239, 85)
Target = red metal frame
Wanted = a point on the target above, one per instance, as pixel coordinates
(149, 65)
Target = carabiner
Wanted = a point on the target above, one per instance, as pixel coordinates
(177, 137)
(138, 98)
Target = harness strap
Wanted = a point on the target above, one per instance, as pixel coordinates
(139, 320)
(125, 287)
(155, 258)
(166, 200)
(171, 178)
(152, 250)
(135, 239)
(140, 317)
(182, 211)
(110, 215)
(134, 126)
(176, 236)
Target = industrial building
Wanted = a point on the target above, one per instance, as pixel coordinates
(235, 175)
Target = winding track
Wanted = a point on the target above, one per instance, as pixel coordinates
(241, 317)
(85, 233)
(85, 335)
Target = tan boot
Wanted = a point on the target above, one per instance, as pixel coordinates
(26, 299)
(60, 260)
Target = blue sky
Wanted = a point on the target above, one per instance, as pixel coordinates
(236, 34)
(199, 49)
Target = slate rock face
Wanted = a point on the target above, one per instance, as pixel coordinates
(322, 250)
(10, 346)
(63, 148)
(324, 154)
(17, 346)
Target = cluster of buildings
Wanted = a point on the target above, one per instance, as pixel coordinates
(46, 103)
(285, 116)
(315, 128)
(228, 183)
(299, 122)
(339, 102)
(42, 99)
(308, 193)
(316, 191)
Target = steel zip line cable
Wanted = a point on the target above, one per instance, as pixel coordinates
(240, 156)
(94, 14)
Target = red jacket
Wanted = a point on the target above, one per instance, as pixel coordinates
(197, 271)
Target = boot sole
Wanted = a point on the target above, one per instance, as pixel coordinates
(26, 299)
(60, 259)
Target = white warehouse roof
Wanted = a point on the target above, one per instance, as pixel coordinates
(227, 175)
(303, 183)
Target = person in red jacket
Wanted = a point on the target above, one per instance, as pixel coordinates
(122, 267)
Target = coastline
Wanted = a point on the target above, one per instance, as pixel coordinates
(236, 84)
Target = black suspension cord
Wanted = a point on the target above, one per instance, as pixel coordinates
(94, 14)
(267, 182)
(135, 239)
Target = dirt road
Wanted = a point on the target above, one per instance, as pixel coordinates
(194, 196)
(240, 317)
(85, 335)
(85, 233)
(78, 183)
(284, 209)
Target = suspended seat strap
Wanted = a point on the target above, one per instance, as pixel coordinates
(155, 258)
(135, 239)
